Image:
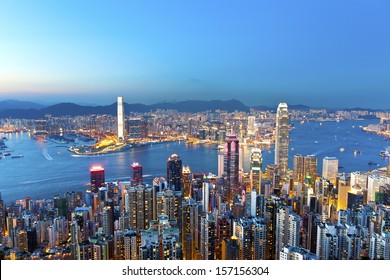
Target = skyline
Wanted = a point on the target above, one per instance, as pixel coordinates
(317, 54)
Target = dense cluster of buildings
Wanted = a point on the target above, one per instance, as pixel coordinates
(283, 213)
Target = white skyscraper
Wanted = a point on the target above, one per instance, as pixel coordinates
(121, 118)
(282, 139)
(330, 168)
(251, 125)
(255, 169)
(220, 161)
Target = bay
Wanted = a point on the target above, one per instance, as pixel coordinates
(47, 169)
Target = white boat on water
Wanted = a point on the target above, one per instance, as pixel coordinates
(385, 153)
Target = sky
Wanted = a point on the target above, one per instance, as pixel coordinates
(328, 53)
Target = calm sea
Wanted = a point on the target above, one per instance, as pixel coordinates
(47, 169)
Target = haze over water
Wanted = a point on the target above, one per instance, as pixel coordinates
(46, 169)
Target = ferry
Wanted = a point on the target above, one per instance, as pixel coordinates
(385, 153)
(18, 156)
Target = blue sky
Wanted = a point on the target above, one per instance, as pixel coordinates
(319, 53)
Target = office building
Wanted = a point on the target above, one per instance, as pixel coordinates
(187, 181)
(282, 139)
(97, 178)
(136, 173)
(330, 168)
(231, 167)
(121, 118)
(174, 172)
(255, 169)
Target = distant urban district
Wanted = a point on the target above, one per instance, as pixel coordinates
(269, 212)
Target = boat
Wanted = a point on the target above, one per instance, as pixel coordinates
(372, 163)
(357, 152)
(6, 154)
(17, 156)
(342, 149)
(385, 153)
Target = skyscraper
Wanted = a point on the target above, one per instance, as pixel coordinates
(231, 166)
(139, 206)
(330, 167)
(187, 181)
(174, 172)
(304, 165)
(208, 237)
(97, 178)
(255, 165)
(135, 128)
(282, 139)
(2, 214)
(137, 173)
(251, 125)
(220, 160)
(121, 118)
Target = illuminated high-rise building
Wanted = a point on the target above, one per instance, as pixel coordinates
(282, 139)
(126, 244)
(251, 125)
(259, 235)
(230, 249)
(174, 172)
(187, 181)
(311, 164)
(108, 220)
(137, 173)
(168, 203)
(121, 118)
(135, 128)
(2, 216)
(223, 232)
(139, 205)
(208, 237)
(298, 168)
(255, 166)
(330, 167)
(231, 166)
(97, 178)
(191, 229)
(287, 228)
(242, 230)
(220, 160)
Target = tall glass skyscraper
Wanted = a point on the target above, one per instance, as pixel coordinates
(121, 118)
(97, 178)
(231, 166)
(174, 172)
(282, 139)
(255, 165)
(137, 173)
(330, 167)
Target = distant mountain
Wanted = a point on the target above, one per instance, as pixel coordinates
(290, 107)
(30, 110)
(15, 104)
(299, 107)
(71, 109)
(193, 106)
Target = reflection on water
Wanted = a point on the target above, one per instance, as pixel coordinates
(47, 169)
